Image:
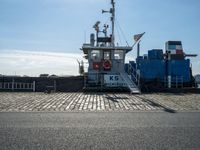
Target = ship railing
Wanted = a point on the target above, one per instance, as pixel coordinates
(82, 67)
(135, 74)
(17, 86)
(176, 82)
(97, 80)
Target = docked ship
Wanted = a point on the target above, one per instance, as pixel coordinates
(106, 60)
(159, 70)
(156, 70)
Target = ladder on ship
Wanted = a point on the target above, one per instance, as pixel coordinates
(134, 89)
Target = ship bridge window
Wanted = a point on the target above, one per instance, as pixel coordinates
(119, 54)
(95, 54)
(106, 55)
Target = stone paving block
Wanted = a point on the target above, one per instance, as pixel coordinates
(23, 102)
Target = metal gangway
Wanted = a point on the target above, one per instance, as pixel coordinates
(134, 89)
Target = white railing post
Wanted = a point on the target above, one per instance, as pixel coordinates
(13, 82)
(33, 86)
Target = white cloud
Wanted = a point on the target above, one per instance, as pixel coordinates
(33, 63)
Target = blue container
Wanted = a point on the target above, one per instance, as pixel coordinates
(152, 69)
(133, 64)
(157, 68)
(180, 69)
(172, 47)
(155, 54)
(126, 67)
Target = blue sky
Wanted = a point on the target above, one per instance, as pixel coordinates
(58, 27)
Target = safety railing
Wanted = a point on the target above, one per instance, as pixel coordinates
(176, 82)
(17, 86)
(93, 79)
(98, 80)
(135, 74)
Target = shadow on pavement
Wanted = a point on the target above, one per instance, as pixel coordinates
(115, 98)
(153, 103)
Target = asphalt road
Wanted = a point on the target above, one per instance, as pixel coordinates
(123, 130)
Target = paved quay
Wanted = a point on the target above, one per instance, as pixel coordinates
(73, 102)
(97, 131)
(78, 101)
(177, 101)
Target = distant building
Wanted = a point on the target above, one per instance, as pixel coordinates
(10, 76)
(44, 75)
(53, 76)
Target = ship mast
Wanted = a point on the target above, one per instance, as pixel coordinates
(112, 12)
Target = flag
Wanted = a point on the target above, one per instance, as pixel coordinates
(137, 37)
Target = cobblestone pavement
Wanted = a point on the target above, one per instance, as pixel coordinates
(177, 101)
(73, 102)
(96, 102)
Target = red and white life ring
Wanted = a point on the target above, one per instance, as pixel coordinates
(96, 65)
(107, 64)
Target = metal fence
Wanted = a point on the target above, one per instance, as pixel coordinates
(176, 82)
(17, 86)
(99, 80)
(94, 79)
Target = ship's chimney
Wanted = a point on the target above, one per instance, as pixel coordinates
(92, 39)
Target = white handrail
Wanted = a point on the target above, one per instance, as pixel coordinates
(137, 77)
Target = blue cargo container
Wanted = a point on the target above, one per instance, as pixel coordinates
(179, 68)
(126, 66)
(152, 69)
(158, 70)
(172, 47)
(155, 54)
(133, 64)
(155, 67)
